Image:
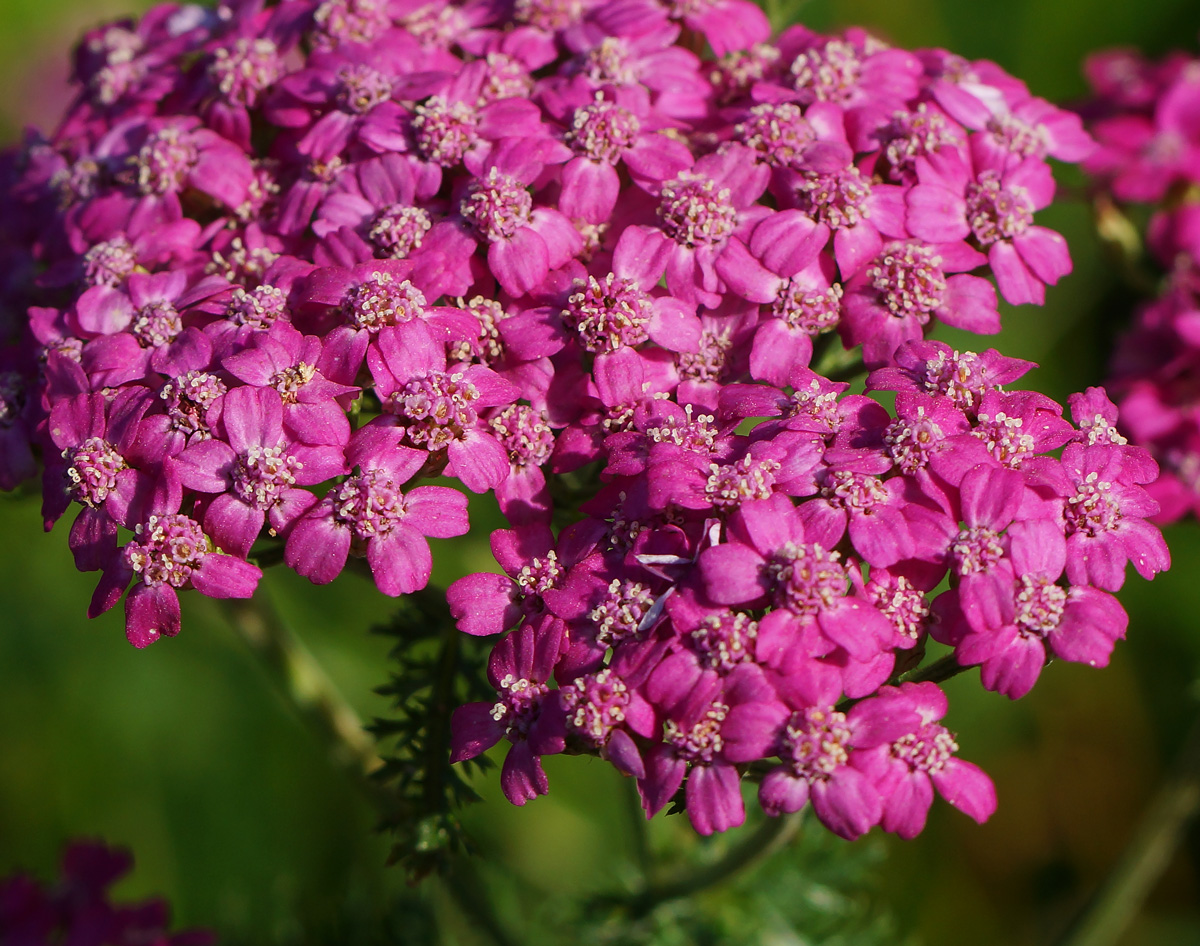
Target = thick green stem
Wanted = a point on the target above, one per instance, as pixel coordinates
(771, 835)
(304, 682)
(1119, 900)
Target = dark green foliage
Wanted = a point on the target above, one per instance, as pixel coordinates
(436, 668)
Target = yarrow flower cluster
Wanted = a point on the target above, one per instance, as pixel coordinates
(1143, 116)
(280, 263)
(77, 909)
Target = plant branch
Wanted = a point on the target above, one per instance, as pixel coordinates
(771, 835)
(1115, 905)
(940, 670)
(304, 682)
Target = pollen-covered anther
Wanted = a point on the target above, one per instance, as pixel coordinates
(602, 130)
(702, 742)
(263, 473)
(620, 611)
(1092, 510)
(437, 408)
(838, 199)
(696, 211)
(729, 485)
(779, 134)
(93, 469)
(997, 212)
(380, 301)
(806, 309)
(814, 742)
(167, 550)
(444, 131)
(830, 72)
(806, 577)
(909, 280)
(524, 433)
(497, 205)
(156, 324)
(608, 314)
(928, 749)
(977, 549)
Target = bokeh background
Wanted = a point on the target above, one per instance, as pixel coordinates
(188, 755)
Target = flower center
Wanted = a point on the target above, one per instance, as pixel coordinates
(369, 503)
(814, 742)
(816, 406)
(910, 441)
(732, 484)
(1005, 439)
(702, 742)
(830, 73)
(807, 577)
(856, 492)
(608, 314)
(602, 130)
(490, 314)
(497, 205)
(109, 263)
(909, 280)
(778, 133)
(610, 61)
(188, 399)
(361, 88)
(540, 575)
(437, 409)
(1092, 510)
(258, 308)
(619, 614)
(444, 130)
(245, 70)
(708, 362)
(977, 549)
(380, 301)
(156, 324)
(901, 602)
(957, 376)
(1017, 136)
(519, 705)
(507, 78)
(722, 641)
(263, 473)
(695, 210)
(837, 200)
(92, 474)
(595, 705)
(996, 212)
(524, 433)
(912, 135)
(548, 15)
(167, 550)
(289, 381)
(808, 310)
(399, 229)
(927, 750)
(164, 161)
(1039, 604)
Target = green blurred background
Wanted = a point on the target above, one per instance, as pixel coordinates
(189, 756)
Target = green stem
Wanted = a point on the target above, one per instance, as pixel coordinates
(1119, 900)
(304, 682)
(941, 669)
(771, 835)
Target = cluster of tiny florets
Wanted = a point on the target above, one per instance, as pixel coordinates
(281, 263)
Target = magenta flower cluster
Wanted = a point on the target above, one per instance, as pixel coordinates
(279, 263)
(77, 909)
(1146, 119)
